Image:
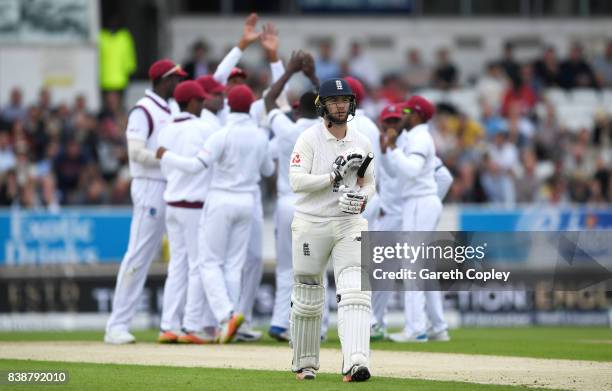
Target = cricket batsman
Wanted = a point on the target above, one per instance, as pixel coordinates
(330, 175)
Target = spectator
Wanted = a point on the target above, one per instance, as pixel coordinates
(492, 86)
(8, 188)
(445, 74)
(24, 177)
(466, 187)
(44, 102)
(521, 94)
(575, 71)
(117, 56)
(491, 119)
(444, 134)
(555, 190)
(198, 63)
(602, 177)
(416, 73)
(14, 110)
(500, 164)
(362, 66)
(520, 128)
(546, 69)
(602, 132)
(326, 66)
(69, 167)
(527, 182)
(603, 67)
(508, 63)
(7, 156)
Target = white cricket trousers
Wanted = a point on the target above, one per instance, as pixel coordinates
(253, 267)
(422, 214)
(284, 271)
(183, 282)
(226, 235)
(146, 232)
(384, 221)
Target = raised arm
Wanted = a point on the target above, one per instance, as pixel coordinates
(249, 35)
(308, 67)
(294, 65)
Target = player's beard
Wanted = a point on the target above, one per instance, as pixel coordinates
(336, 119)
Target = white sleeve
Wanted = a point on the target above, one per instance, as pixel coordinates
(138, 125)
(300, 178)
(407, 166)
(280, 124)
(386, 164)
(274, 148)
(213, 148)
(191, 165)
(444, 179)
(138, 152)
(225, 66)
(277, 69)
(267, 165)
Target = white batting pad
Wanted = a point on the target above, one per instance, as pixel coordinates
(306, 312)
(354, 311)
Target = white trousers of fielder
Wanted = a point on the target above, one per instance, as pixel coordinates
(422, 214)
(146, 233)
(225, 238)
(253, 267)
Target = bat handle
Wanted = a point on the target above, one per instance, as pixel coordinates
(364, 166)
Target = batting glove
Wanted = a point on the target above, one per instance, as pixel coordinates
(352, 202)
(348, 161)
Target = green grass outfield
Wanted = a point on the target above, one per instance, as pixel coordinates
(137, 377)
(572, 343)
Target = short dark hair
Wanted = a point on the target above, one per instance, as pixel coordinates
(307, 105)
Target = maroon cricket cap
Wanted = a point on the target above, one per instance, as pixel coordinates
(240, 98)
(420, 105)
(237, 72)
(392, 111)
(210, 85)
(357, 87)
(188, 90)
(164, 68)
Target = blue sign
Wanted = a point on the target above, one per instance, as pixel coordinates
(83, 235)
(534, 218)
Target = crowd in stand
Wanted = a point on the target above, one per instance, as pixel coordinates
(52, 155)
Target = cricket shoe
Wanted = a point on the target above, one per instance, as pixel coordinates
(357, 373)
(119, 337)
(440, 336)
(247, 334)
(188, 337)
(377, 333)
(230, 327)
(403, 337)
(306, 374)
(167, 336)
(279, 333)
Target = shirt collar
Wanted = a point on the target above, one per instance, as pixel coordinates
(237, 117)
(329, 136)
(158, 99)
(183, 116)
